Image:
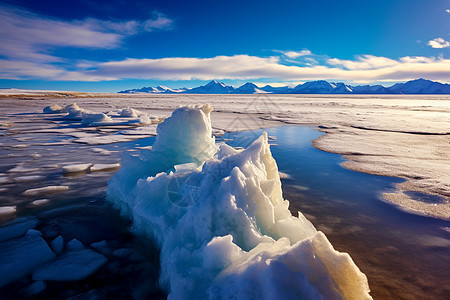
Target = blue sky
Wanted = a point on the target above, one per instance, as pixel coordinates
(89, 45)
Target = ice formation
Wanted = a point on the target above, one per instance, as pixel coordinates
(19, 257)
(104, 167)
(71, 266)
(46, 190)
(88, 118)
(130, 113)
(52, 109)
(6, 210)
(220, 220)
(76, 168)
(92, 119)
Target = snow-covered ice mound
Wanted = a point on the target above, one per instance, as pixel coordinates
(122, 117)
(220, 220)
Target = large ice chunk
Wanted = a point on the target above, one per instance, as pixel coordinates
(222, 224)
(182, 138)
(16, 228)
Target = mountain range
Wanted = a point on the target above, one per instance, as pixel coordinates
(417, 86)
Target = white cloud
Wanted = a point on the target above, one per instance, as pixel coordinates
(438, 43)
(294, 54)
(447, 11)
(238, 67)
(159, 21)
(246, 67)
(363, 62)
(30, 37)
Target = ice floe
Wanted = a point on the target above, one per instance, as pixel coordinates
(36, 288)
(102, 151)
(74, 244)
(40, 202)
(46, 190)
(71, 266)
(29, 178)
(16, 228)
(22, 169)
(58, 245)
(220, 220)
(104, 167)
(7, 210)
(76, 168)
(20, 257)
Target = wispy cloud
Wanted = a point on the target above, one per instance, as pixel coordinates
(438, 43)
(363, 62)
(30, 37)
(294, 54)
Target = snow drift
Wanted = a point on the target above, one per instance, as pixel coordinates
(220, 220)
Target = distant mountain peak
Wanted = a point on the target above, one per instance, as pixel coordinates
(416, 86)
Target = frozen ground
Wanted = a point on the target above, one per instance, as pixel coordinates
(393, 135)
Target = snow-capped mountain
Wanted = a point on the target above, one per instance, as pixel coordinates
(421, 86)
(370, 89)
(275, 90)
(249, 88)
(313, 87)
(156, 90)
(418, 86)
(213, 87)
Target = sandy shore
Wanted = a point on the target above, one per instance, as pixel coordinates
(405, 136)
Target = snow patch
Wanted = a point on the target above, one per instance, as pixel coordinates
(53, 109)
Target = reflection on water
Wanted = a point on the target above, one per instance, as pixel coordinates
(404, 256)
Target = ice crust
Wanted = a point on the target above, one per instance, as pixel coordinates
(220, 220)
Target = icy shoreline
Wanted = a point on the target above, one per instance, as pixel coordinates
(221, 222)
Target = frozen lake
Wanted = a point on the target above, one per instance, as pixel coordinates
(402, 254)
